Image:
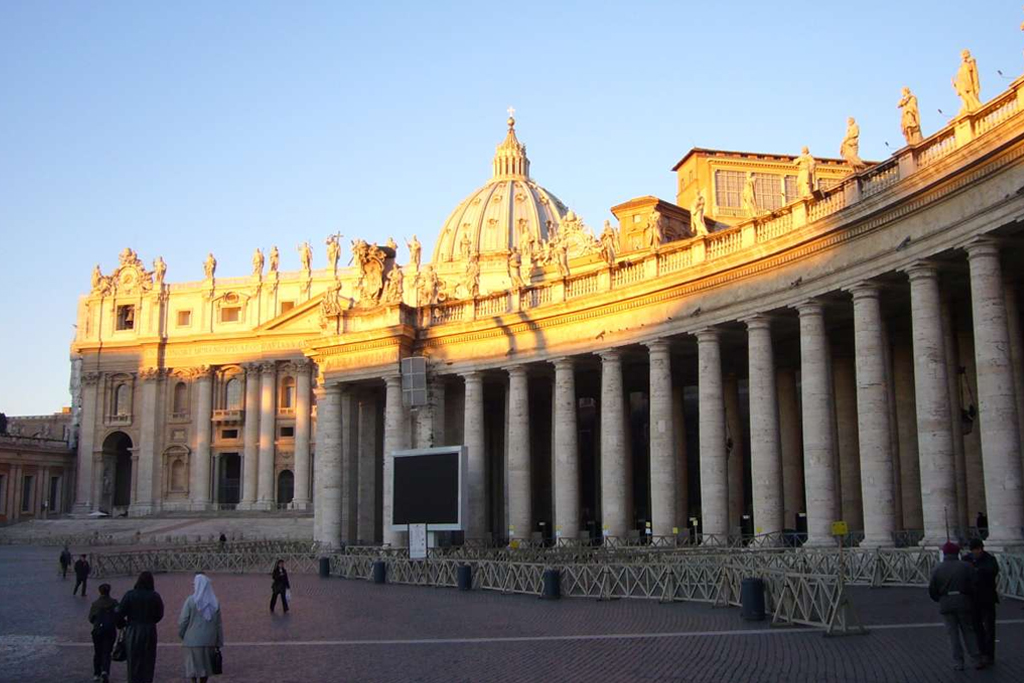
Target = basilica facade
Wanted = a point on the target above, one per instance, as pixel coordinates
(793, 341)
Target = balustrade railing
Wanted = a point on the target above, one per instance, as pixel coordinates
(995, 112)
(723, 243)
(881, 177)
(771, 228)
(628, 273)
(581, 286)
(934, 149)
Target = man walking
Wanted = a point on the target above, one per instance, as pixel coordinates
(104, 633)
(986, 573)
(952, 586)
(65, 562)
(82, 571)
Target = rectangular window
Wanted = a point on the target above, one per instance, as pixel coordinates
(728, 189)
(287, 306)
(768, 191)
(287, 432)
(184, 318)
(126, 317)
(229, 434)
(26, 493)
(230, 314)
(791, 195)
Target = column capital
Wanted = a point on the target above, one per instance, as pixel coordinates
(981, 247)
(864, 290)
(810, 307)
(268, 367)
(758, 321)
(474, 376)
(563, 363)
(660, 346)
(90, 378)
(392, 379)
(515, 370)
(610, 356)
(708, 334)
(921, 270)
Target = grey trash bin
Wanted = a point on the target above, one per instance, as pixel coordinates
(552, 585)
(380, 570)
(752, 599)
(464, 574)
(325, 567)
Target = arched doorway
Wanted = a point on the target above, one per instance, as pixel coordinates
(285, 488)
(116, 485)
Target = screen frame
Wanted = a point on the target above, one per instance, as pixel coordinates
(463, 460)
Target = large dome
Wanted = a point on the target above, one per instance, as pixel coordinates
(508, 211)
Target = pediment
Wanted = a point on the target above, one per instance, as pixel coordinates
(303, 318)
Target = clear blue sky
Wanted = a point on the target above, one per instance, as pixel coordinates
(181, 128)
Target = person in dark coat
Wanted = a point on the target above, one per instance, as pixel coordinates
(139, 612)
(82, 571)
(952, 586)
(982, 523)
(103, 617)
(65, 562)
(986, 597)
(280, 586)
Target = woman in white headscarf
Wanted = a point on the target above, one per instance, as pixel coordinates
(200, 629)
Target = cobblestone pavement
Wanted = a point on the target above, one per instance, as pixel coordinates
(342, 630)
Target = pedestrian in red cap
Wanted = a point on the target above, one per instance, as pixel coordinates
(952, 586)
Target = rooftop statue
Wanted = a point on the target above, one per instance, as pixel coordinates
(159, 271)
(515, 265)
(654, 231)
(333, 252)
(391, 244)
(128, 257)
(750, 195)
(428, 287)
(305, 256)
(806, 174)
(257, 264)
(330, 305)
(910, 117)
(560, 255)
(394, 288)
(608, 240)
(370, 259)
(210, 266)
(850, 148)
(697, 224)
(472, 278)
(415, 250)
(275, 259)
(967, 85)
(575, 235)
(100, 282)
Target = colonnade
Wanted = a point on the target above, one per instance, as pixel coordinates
(795, 464)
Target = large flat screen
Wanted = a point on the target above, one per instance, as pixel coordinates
(427, 487)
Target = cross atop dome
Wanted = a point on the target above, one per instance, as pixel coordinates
(510, 160)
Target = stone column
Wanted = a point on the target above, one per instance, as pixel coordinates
(199, 493)
(145, 453)
(520, 519)
(473, 437)
(251, 437)
(997, 404)
(714, 489)
(874, 430)
(350, 465)
(615, 460)
(566, 453)
(85, 502)
(396, 438)
(906, 426)
(366, 522)
(819, 446)
(664, 477)
(735, 465)
(328, 462)
(844, 388)
(303, 415)
(1016, 345)
(268, 409)
(931, 387)
(791, 446)
(765, 454)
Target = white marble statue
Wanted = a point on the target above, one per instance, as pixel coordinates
(394, 287)
(910, 117)
(515, 265)
(275, 259)
(415, 250)
(850, 149)
(750, 195)
(472, 281)
(306, 256)
(806, 174)
(159, 271)
(257, 264)
(608, 240)
(428, 287)
(333, 252)
(655, 229)
(697, 224)
(967, 85)
(210, 266)
(464, 247)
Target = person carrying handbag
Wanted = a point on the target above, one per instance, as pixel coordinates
(201, 631)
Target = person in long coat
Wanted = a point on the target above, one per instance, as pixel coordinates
(280, 586)
(139, 612)
(200, 629)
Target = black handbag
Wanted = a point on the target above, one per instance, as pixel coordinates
(217, 662)
(120, 652)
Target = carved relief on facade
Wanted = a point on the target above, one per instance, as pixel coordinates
(130, 277)
(370, 259)
(576, 237)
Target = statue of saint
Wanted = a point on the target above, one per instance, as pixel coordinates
(333, 252)
(275, 258)
(560, 255)
(515, 264)
(159, 271)
(697, 224)
(750, 195)
(850, 148)
(415, 249)
(257, 264)
(608, 240)
(305, 256)
(655, 229)
(391, 244)
(464, 247)
(98, 281)
(806, 170)
(967, 85)
(910, 117)
(427, 293)
(394, 288)
(473, 276)
(210, 266)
